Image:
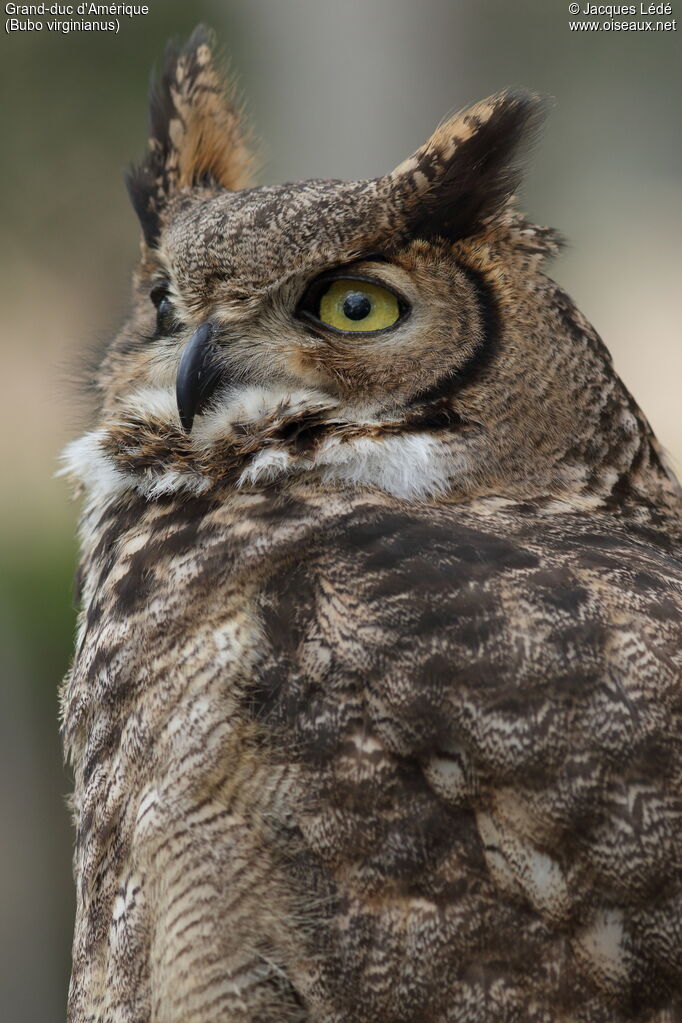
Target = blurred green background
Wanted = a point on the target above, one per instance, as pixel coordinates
(335, 90)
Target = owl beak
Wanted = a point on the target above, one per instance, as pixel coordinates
(198, 375)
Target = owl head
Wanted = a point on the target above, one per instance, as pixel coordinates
(396, 333)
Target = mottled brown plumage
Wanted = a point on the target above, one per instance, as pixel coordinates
(376, 707)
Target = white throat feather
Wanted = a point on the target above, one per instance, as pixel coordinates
(254, 436)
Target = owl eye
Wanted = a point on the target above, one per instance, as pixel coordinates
(353, 305)
(165, 319)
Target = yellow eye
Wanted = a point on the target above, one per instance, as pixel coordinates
(358, 306)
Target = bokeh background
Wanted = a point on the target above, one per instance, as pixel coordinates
(335, 88)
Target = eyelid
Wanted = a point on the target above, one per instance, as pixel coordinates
(328, 277)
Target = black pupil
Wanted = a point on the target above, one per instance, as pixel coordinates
(356, 306)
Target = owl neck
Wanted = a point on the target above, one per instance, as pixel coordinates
(431, 452)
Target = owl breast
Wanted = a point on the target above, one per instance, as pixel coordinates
(425, 765)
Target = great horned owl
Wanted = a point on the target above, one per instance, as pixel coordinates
(375, 712)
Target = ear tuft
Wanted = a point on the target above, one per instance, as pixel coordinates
(196, 134)
(469, 168)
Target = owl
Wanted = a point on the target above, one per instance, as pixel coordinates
(375, 713)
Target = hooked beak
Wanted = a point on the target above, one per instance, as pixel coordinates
(198, 375)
